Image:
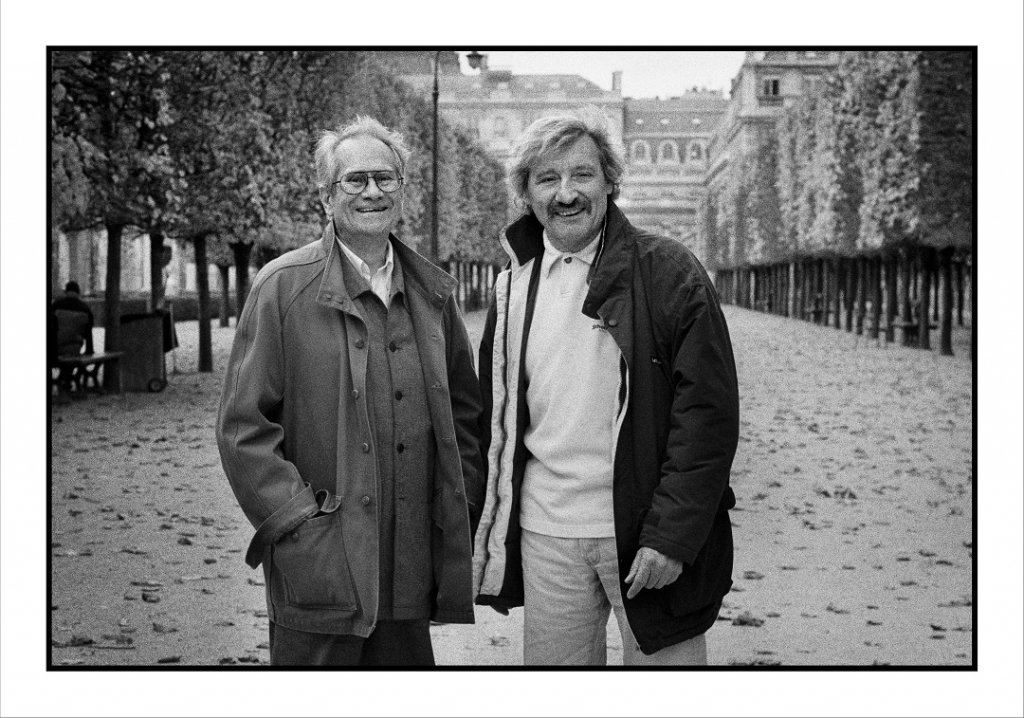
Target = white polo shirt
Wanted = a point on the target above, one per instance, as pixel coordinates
(572, 366)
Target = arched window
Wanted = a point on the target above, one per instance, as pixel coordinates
(641, 151)
(697, 153)
(668, 152)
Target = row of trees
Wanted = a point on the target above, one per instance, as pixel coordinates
(215, 148)
(876, 166)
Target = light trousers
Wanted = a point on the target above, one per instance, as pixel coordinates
(571, 585)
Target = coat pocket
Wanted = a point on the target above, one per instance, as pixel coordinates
(310, 568)
(710, 576)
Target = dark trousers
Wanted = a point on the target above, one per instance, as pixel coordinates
(392, 643)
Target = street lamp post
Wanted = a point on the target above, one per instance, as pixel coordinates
(474, 59)
(434, 251)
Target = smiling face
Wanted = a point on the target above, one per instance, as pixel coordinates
(568, 193)
(371, 214)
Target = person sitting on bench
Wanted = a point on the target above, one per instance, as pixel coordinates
(74, 323)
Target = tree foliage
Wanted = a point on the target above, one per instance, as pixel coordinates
(881, 158)
(221, 142)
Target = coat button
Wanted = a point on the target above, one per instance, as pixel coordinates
(365, 500)
(398, 395)
(400, 448)
(366, 448)
(613, 322)
(393, 347)
(355, 393)
(360, 344)
(295, 535)
(568, 260)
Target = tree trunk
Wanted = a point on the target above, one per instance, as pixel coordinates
(924, 315)
(936, 289)
(798, 289)
(959, 267)
(906, 316)
(203, 291)
(890, 298)
(112, 306)
(156, 270)
(836, 294)
(225, 295)
(946, 282)
(242, 254)
(861, 294)
(876, 296)
(974, 305)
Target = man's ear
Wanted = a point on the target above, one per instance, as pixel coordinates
(325, 200)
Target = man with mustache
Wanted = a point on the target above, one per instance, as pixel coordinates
(347, 426)
(610, 419)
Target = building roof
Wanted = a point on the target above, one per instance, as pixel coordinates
(693, 112)
(517, 86)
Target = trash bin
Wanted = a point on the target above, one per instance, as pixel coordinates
(142, 341)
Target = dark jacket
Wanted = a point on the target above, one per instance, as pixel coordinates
(297, 447)
(676, 443)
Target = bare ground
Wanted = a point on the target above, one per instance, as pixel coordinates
(853, 524)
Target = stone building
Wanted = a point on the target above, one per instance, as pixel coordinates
(496, 105)
(667, 144)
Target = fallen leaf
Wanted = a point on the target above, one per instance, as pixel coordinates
(747, 619)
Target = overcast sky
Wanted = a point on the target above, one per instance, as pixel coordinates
(645, 73)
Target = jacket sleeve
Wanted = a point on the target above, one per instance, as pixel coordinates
(464, 390)
(268, 487)
(703, 431)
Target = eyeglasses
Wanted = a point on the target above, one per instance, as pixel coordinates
(355, 182)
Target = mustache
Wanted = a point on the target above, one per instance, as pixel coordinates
(580, 203)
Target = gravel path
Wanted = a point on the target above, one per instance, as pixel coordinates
(853, 523)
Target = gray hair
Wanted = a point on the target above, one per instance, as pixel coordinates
(326, 153)
(556, 132)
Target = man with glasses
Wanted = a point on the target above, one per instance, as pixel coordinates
(347, 426)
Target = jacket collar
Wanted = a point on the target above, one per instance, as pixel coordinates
(420, 276)
(609, 274)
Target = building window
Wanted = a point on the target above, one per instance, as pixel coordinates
(641, 152)
(770, 87)
(668, 152)
(813, 84)
(697, 153)
(500, 126)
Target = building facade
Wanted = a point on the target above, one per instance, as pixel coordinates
(667, 149)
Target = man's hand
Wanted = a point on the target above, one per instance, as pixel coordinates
(652, 569)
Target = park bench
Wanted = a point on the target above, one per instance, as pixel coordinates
(85, 368)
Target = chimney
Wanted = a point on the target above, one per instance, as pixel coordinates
(617, 81)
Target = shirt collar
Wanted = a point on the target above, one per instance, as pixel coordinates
(585, 255)
(363, 267)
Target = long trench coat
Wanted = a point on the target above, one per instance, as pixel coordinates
(296, 443)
